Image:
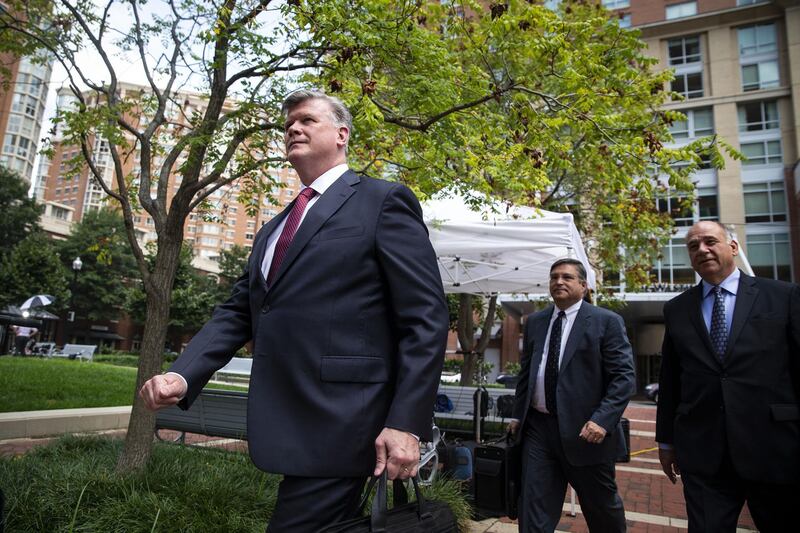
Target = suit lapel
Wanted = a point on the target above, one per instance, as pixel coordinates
(696, 317)
(540, 331)
(582, 320)
(746, 295)
(330, 202)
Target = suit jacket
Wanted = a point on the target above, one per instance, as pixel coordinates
(595, 380)
(746, 404)
(349, 338)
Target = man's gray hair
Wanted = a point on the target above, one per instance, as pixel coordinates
(725, 231)
(339, 112)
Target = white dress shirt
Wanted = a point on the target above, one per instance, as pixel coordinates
(571, 312)
(320, 185)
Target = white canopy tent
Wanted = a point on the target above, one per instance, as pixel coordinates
(500, 250)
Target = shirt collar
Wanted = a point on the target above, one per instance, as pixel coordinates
(321, 184)
(730, 284)
(569, 311)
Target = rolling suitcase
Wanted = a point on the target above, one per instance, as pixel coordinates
(497, 473)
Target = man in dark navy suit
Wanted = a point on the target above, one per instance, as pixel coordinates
(728, 419)
(344, 304)
(576, 379)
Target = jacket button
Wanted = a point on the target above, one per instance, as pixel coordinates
(265, 309)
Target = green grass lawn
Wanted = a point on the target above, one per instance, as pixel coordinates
(71, 485)
(33, 384)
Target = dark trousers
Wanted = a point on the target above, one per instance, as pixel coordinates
(714, 503)
(546, 472)
(20, 343)
(305, 505)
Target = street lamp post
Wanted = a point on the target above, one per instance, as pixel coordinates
(77, 265)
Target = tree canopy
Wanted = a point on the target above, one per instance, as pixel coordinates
(108, 265)
(194, 296)
(31, 268)
(20, 214)
(559, 109)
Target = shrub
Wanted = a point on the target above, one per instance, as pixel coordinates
(70, 485)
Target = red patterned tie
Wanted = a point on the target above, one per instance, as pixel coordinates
(289, 229)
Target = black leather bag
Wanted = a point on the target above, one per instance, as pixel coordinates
(421, 516)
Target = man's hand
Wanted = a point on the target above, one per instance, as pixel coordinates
(398, 452)
(162, 390)
(512, 427)
(593, 433)
(669, 463)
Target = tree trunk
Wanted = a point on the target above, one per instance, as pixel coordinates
(473, 351)
(465, 329)
(158, 288)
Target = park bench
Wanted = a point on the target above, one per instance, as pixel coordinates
(460, 419)
(238, 369)
(216, 413)
(84, 352)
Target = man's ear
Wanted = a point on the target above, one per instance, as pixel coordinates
(342, 135)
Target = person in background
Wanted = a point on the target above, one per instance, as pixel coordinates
(23, 334)
(576, 379)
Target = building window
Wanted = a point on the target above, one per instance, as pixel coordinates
(762, 153)
(251, 224)
(757, 39)
(625, 21)
(703, 208)
(764, 202)
(673, 267)
(685, 9)
(760, 76)
(758, 116)
(747, 2)
(248, 236)
(688, 85)
(684, 50)
(769, 255)
(707, 206)
(758, 49)
(616, 4)
(699, 122)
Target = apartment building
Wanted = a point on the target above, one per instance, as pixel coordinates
(737, 68)
(22, 105)
(223, 224)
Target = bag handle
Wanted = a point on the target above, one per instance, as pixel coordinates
(378, 517)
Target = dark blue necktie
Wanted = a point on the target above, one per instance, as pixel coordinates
(719, 327)
(551, 367)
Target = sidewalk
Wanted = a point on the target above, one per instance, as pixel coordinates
(652, 503)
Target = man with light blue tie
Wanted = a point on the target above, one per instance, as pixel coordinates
(728, 420)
